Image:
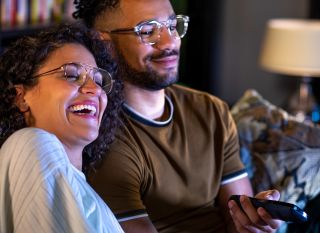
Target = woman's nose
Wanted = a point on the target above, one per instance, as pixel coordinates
(90, 86)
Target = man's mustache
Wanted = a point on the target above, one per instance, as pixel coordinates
(162, 54)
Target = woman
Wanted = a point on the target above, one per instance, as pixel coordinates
(52, 103)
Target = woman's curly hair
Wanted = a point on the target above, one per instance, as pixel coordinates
(20, 62)
(89, 10)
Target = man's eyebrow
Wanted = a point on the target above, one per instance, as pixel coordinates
(172, 16)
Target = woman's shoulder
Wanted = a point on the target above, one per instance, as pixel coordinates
(28, 136)
(33, 146)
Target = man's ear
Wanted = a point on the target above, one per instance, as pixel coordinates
(20, 101)
(104, 36)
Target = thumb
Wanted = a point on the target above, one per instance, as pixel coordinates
(269, 195)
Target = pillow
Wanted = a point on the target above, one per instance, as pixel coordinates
(278, 151)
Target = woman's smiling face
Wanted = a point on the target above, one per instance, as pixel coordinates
(72, 112)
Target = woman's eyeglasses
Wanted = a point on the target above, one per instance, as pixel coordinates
(149, 31)
(78, 73)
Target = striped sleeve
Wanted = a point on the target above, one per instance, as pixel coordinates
(234, 176)
(34, 194)
(130, 215)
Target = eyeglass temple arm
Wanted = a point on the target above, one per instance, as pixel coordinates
(48, 72)
(121, 30)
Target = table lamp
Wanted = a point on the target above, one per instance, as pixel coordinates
(292, 47)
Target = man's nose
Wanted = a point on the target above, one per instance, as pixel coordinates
(167, 40)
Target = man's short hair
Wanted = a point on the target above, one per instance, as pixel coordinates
(89, 10)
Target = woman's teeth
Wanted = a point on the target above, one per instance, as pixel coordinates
(83, 109)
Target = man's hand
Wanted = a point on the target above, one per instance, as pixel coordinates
(252, 220)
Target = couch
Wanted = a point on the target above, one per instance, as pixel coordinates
(282, 153)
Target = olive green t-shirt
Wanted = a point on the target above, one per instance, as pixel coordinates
(171, 170)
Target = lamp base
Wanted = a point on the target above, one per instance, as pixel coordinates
(303, 104)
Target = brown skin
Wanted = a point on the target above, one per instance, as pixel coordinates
(75, 131)
(150, 103)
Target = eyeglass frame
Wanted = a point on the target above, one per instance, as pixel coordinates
(85, 66)
(137, 28)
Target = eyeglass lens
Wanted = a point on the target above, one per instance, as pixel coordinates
(150, 31)
(79, 73)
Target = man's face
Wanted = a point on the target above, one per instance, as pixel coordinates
(151, 67)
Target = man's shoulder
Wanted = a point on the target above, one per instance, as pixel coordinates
(183, 93)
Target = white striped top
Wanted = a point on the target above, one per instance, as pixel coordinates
(41, 191)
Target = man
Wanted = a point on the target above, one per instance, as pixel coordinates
(175, 162)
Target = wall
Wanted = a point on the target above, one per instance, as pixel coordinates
(242, 30)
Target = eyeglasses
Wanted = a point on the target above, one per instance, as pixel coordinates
(149, 31)
(78, 74)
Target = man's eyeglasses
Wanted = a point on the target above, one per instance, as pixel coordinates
(78, 74)
(149, 31)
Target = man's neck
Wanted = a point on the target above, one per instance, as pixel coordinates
(150, 104)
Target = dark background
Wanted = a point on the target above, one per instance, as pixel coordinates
(315, 14)
(220, 52)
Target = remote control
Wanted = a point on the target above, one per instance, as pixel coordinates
(277, 209)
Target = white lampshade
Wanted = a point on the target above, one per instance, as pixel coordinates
(292, 47)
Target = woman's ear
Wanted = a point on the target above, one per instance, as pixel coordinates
(20, 101)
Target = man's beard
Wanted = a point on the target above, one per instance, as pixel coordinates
(149, 79)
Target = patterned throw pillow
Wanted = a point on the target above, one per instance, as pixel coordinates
(278, 151)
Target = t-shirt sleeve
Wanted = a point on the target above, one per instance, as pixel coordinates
(119, 180)
(233, 167)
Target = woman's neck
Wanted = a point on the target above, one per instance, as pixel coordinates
(75, 156)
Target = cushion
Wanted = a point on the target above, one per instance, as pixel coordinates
(278, 151)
